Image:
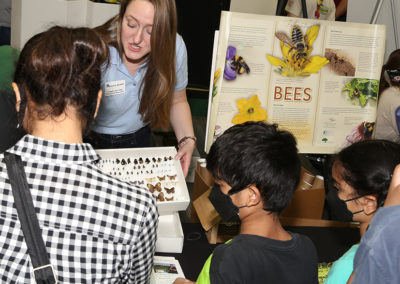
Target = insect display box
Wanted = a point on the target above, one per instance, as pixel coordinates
(155, 169)
(169, 234)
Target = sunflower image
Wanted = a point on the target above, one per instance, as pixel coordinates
(249, 110)
(296, 52)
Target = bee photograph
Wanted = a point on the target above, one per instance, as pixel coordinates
(341, 62)
(296, 47)
(235, 64)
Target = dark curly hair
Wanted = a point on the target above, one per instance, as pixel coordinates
(256, 153)
(368, 166)
(61, 67)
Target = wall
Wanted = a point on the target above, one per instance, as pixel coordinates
(29, 17)
(265, 7)
(361, 11)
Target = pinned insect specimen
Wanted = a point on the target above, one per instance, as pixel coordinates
(169, 199)
(161, 178)
(171, 177)
(170, 190)
(152, 188)
(160, 197)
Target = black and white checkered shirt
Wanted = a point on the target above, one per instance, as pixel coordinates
(96, 228)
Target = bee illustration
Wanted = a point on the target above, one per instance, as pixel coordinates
(299, 44)
(361, 132)
(235, 64)
(239, 65)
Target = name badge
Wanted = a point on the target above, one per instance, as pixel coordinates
(114, 88)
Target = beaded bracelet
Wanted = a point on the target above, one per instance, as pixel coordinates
(184, 140)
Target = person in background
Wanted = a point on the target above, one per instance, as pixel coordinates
(5, 22)
(378, 258)
(361, 174)
(96, 228)
(388, 113)
(316, 9)
(341, 10)
(11, 133)
(144, 85)
(257, 169)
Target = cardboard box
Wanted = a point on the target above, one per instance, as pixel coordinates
(307, 203)
(169, 234)
(309, 198)
(204, 211)
(154, 168)
(216, 231)
(203, 181)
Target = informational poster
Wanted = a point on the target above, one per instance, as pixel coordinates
(316, 79)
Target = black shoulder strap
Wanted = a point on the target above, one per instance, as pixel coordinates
(42, 269)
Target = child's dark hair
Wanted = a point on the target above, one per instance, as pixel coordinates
(368, 166)
(256, 153)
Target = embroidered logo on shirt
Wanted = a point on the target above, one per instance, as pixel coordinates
(114, 88)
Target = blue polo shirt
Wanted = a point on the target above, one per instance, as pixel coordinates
(119, 108)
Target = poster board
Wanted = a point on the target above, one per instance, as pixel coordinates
(324, 92)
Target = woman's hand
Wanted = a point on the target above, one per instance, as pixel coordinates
(181, 121)
(183, 281)
(185, 155)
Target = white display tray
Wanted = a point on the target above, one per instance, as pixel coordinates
(153, 168)
(169, 234)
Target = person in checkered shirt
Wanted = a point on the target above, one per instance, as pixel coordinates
(95, 228)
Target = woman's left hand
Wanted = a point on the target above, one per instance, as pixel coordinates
(185, 155)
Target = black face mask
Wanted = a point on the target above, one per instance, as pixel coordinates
(339, 208)
(228, 211)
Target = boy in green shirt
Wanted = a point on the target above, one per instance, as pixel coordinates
(257, 169)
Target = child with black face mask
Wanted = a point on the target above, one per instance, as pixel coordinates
(361, 174)
(257, 169)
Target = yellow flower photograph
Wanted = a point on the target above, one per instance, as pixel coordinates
(296, 52)
(249, 110)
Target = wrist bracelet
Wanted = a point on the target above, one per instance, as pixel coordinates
(185, 139)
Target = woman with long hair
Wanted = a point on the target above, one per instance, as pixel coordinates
(145, 83)
(388, 113)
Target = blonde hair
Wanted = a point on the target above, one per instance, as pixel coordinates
(159, 81)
